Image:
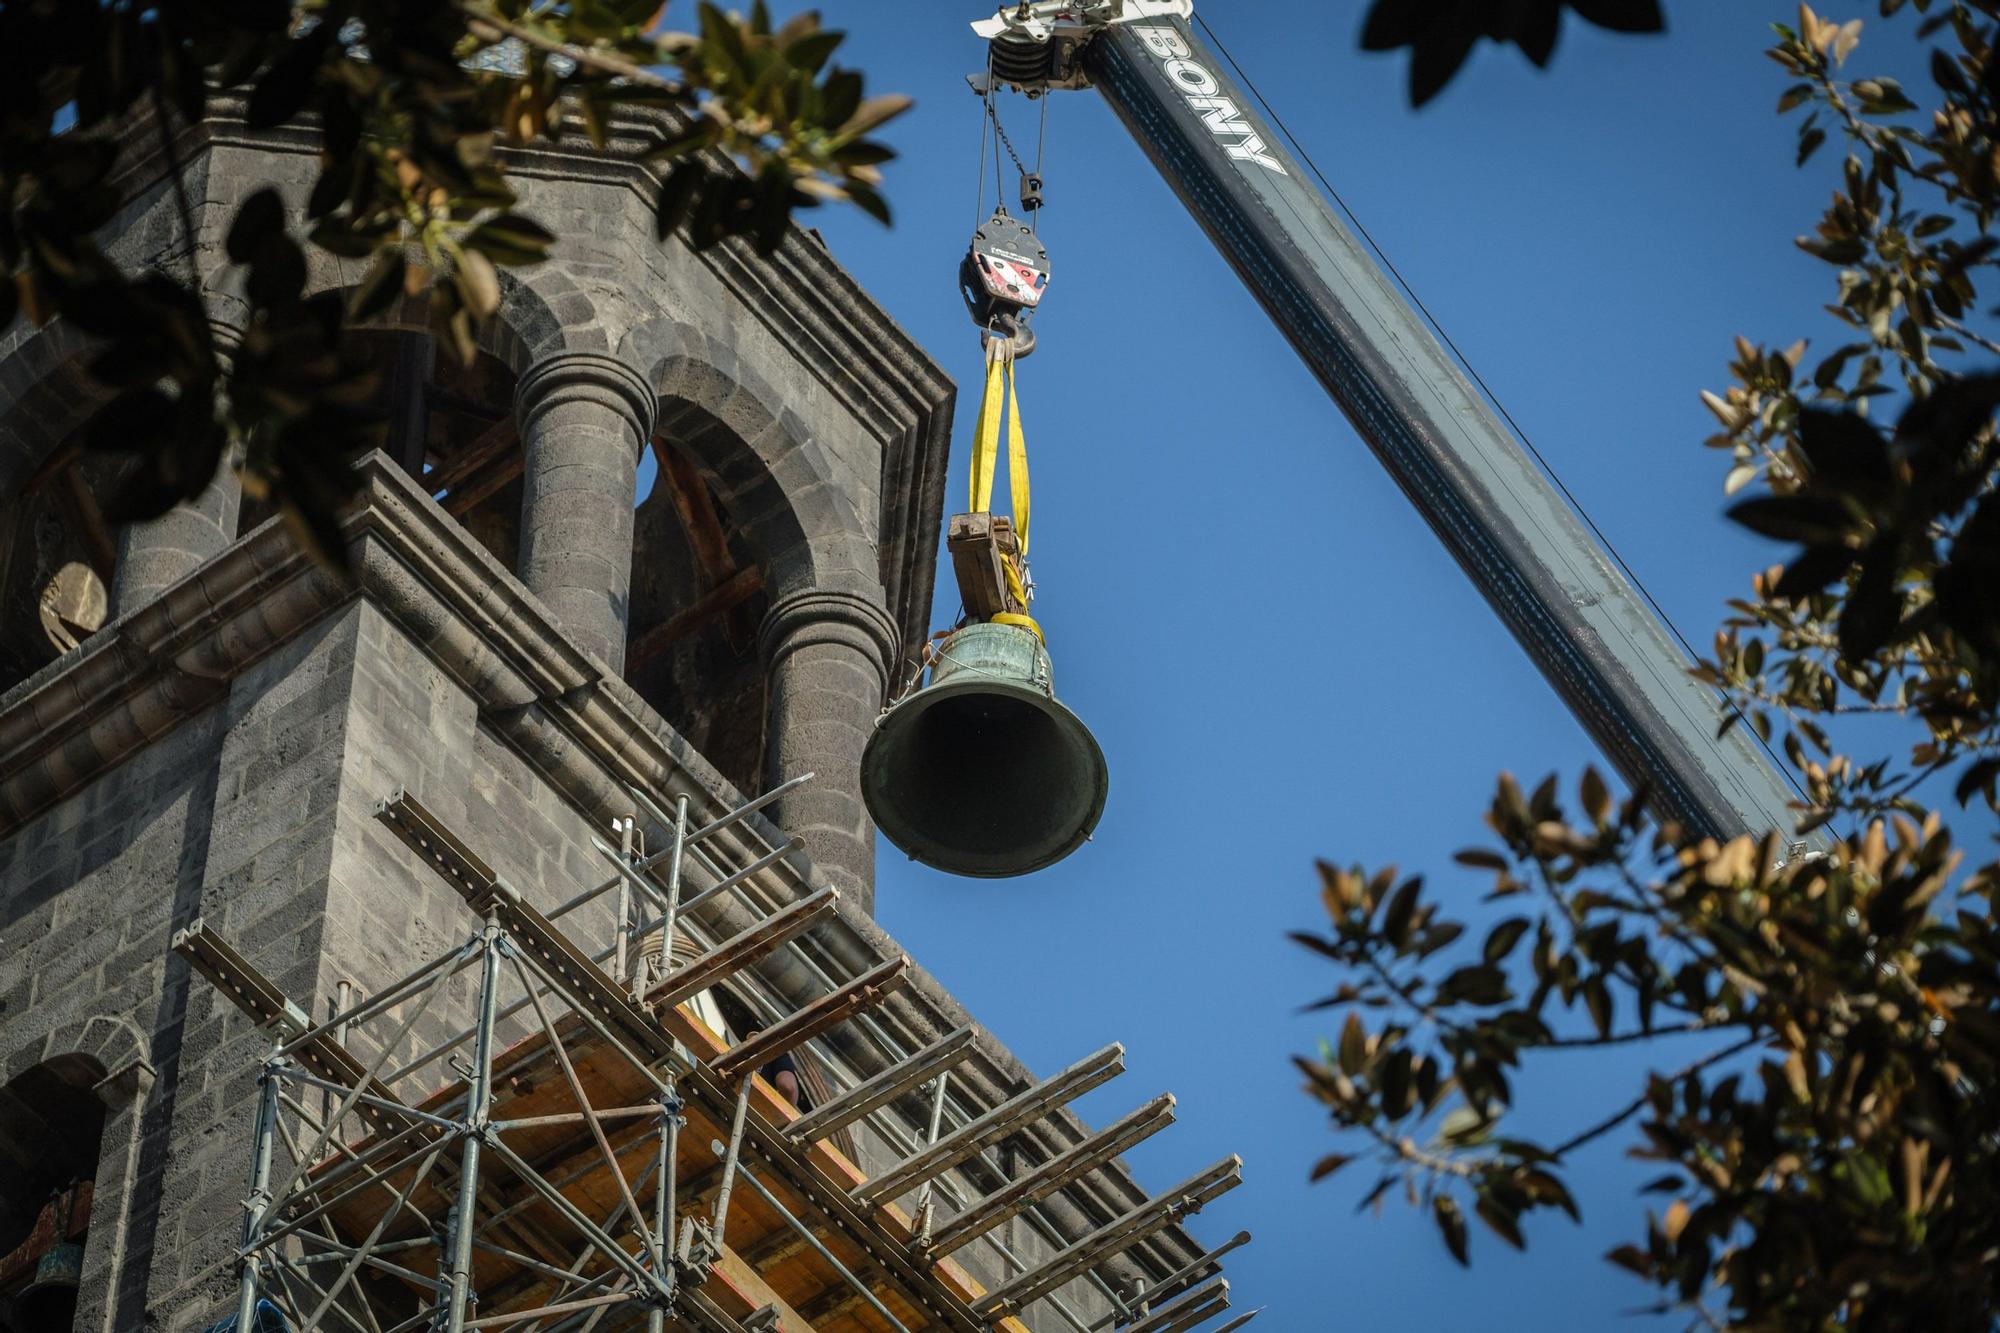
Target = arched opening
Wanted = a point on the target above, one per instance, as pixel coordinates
(57, 557)
(697, 599)
(449, 425)
(51, 1128)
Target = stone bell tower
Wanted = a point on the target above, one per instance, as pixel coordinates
(794, 441)
(670, 537)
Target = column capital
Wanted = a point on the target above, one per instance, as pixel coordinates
(830, 616)
(593, 377)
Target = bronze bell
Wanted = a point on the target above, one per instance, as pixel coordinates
(48, 1304)
(981, 772)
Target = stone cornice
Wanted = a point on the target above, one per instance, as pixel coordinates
(590, 736)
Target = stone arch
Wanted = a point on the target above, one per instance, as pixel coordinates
(760, 457)
(114, 1044)
(50, 1125)
(543, 312)
(524, 329)
(52, 1135)
(100, 1064)
(826, 643)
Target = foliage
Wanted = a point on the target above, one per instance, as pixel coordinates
(1442, 33)
(1829, 1139)
(409, 103)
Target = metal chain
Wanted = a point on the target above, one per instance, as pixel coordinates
(1001, 131)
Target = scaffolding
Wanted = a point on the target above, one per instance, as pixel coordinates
(602, 1157)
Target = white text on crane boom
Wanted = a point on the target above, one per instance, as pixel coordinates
(1201, 90)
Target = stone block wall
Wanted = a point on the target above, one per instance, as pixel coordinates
(230, 817)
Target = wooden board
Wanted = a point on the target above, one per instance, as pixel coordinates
(982, 546)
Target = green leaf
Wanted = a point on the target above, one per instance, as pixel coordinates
(873, 112)
(1398, 1088)
(1353, 1045)
(1633, 1259)
(130, 423)
(277, 274)
(258, 219)
(1317, 945)
(1436, 55)
(722, 45)
(863, 153)
(869, 200)
(478, 283)
(1810, 519)
(700, 134)
(1946, 74)
(677, 196)
(1595, 795)
(1812, 571)
(1396, 919)
(811, 52)
(380, 286)
(840, 94)
(1597, 998)
(1329, 1164)
(1634, 16)
(285, 88)
(1451, 1225)
(1545, 1189)
(1503, 937)
(1438, 936)
(1874, 606)
(1477, 983)
(510, 238)
(1502, 1219)
(1464, 1127)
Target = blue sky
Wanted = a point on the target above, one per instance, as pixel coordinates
(1278, 659)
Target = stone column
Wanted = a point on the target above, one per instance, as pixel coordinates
(827, 655)
(584, 417)
(155, 555)
(108, 1290)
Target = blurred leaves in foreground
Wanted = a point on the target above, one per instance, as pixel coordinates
(409, 103)
(1442, 33)
(1824, 1105)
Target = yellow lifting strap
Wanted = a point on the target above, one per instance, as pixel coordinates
(986, 460)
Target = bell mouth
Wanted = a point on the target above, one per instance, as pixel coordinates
(984, 777)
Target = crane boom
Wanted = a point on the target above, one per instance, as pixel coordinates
(1581, 621)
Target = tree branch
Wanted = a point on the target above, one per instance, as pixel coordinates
(1978, 340)
(1637, 1104)
(618, 66)
(1622, 1038)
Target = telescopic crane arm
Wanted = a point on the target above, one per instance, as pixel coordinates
(1581, 621)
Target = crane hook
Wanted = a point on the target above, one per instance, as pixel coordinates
(1002, 278)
